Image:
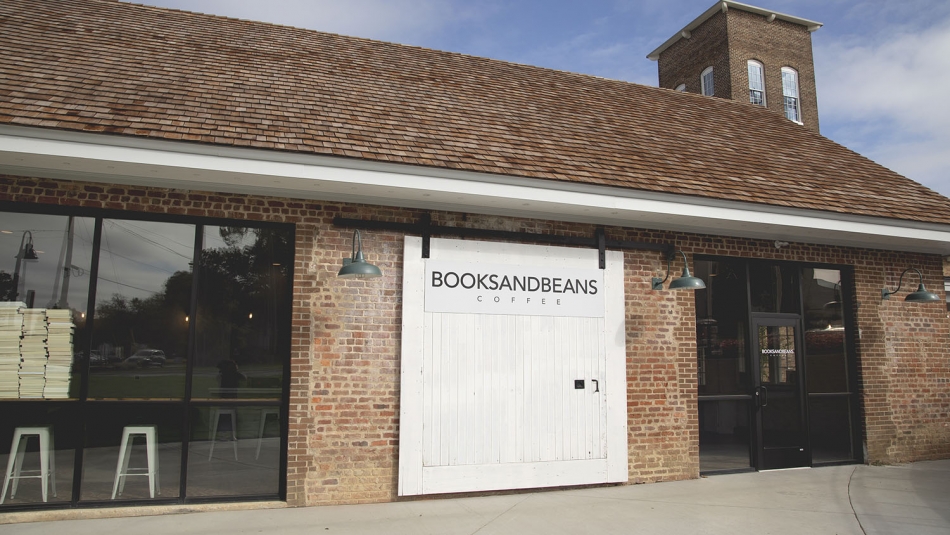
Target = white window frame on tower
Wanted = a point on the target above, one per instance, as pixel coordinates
(707, 82)
(790, 95)
(756, 83)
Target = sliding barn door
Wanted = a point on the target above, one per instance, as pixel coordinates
(512, 368)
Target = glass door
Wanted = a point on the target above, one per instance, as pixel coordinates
(783, 441)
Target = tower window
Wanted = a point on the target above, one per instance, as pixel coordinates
(681, 88)
(790, 94)
(756, 83)
(706, 79)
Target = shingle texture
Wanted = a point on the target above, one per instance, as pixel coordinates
(115, 68)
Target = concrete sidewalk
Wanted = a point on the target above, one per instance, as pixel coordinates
(913, 499)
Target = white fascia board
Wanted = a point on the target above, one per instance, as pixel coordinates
(132, 161)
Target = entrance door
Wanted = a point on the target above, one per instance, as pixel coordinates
(782, 438)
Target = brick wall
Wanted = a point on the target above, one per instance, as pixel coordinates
(775, 44)
(344, 402)
(684, 61)
(727, 41)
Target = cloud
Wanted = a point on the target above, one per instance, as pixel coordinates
(402, 21)
(888, 100)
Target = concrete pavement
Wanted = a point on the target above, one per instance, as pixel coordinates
(856, 499)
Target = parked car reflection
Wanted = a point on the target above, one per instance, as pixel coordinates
(145, 358)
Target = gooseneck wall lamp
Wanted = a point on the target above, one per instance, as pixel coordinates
(356, 267)
(920, 296)
(684, 282)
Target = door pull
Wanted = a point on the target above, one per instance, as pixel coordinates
(596, 385)
(762, 396)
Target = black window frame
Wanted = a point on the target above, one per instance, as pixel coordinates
(82, 404)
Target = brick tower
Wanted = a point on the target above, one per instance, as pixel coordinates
(745, 53)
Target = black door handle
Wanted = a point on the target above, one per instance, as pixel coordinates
(596, 385)
(762, 396)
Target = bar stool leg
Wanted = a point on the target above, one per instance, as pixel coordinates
(260, 433)
(47, 471)
(11, 463)
(52, 461)
(21, 449)
(150, 450)
(123, 460)
(233, 417)
(44, 466)
(213, 434)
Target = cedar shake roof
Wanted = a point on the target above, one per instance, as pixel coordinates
(129, 70)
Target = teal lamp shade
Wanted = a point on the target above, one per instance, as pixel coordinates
(922, 296)
(357, 267)
(687, 282)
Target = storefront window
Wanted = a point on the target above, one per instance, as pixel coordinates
(751, 412)
(184, 355)
(35, 429)
(234, 450)
(721, 325)
(143, 303)
(132, 451)
(824, 331)
(44, 284)
(773, 288)
(241, 307)
(826, 366)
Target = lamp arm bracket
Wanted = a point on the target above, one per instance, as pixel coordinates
(886, 294)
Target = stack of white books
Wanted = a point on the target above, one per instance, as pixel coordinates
(33, 353)
(59, 343)
(11, 329)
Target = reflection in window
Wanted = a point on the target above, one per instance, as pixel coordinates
(36, 421)
(721, 319)
(724, 435)
(143, 299)
(234, 451)
(127, 432)
(790, 94)
(243, 282)
(44, 281)
(825, 354)
(774, 288)
(707, 81)
(777, 355)
(756, 83)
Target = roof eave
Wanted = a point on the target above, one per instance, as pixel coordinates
(724, 6)
(39, 152)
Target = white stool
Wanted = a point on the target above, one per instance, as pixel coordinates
(265, 412)
(122, 470)
(216, 420)
(47, 472)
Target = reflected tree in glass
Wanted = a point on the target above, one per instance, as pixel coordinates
(241, 306)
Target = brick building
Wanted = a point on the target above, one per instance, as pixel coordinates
(186, 186)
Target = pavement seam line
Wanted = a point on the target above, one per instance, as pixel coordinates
(855, 513)
(501, 514)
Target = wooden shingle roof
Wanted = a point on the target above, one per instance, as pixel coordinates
(122, 69)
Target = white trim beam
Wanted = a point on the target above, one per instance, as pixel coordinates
(112, 159)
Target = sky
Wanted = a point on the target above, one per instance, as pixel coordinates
(882, 67)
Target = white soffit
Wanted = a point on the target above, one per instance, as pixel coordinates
(102, 158)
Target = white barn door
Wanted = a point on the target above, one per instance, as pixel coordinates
(511, 389)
